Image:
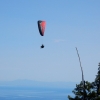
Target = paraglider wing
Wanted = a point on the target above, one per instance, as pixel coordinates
(41, 27)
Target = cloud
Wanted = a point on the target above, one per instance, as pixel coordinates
(59, 40)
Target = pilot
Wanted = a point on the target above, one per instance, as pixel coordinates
(42, 46)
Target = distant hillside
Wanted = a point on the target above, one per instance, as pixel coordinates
(31, 83)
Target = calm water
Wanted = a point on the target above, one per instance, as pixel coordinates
(19, 93)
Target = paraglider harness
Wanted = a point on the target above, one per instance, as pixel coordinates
(42, 46)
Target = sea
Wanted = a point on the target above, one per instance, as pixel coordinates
(34, 93)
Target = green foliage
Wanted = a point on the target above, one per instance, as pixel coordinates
(91, 91)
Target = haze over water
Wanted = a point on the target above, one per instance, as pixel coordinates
(18, 93)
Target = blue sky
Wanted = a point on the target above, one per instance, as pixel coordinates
(69, 24)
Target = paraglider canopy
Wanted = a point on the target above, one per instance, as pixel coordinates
(41, 27)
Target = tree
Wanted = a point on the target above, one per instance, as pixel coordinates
(92, 90)
(89, 94)
(96, 83)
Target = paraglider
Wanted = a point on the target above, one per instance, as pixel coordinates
(41, 28)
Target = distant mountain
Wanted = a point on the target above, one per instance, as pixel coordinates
(31, 83)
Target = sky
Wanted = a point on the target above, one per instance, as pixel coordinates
(69, 24)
